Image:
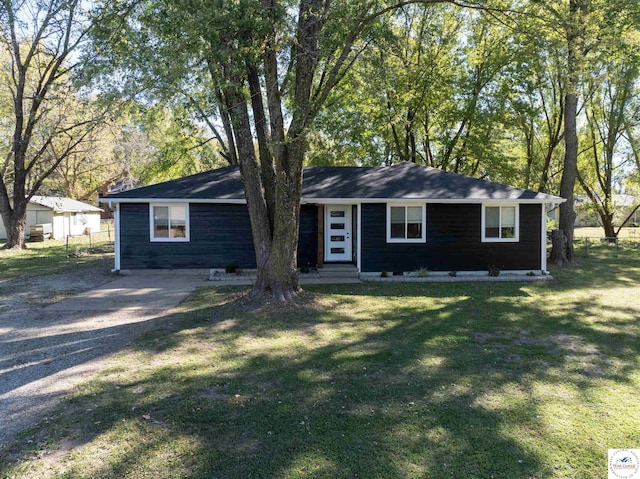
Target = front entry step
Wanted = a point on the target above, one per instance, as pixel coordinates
(338, 271)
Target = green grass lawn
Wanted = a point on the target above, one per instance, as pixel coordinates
(52, 256)
(465, 380)
(598, 232)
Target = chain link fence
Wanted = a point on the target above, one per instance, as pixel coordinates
(91, 242)
(587, 246)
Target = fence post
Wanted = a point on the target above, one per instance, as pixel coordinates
(90, 234)
(586, 246)
(109, 231)
(67, 247)
(616, 253)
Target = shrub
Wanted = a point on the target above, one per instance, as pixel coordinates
(422, 272)
(493, 270)
(231, 268)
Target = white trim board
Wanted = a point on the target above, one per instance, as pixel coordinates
(339, 201)
(170, 200)
(359, 238)
(116, 232)
(478, 201)
(423, 214)
(169, 239)
(543, 240)
(483, 231)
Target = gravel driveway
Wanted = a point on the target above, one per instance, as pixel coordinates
(48, 346)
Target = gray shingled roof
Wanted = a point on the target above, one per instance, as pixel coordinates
(63, 205)
(398, 181)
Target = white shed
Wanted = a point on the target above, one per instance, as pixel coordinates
(66, 216)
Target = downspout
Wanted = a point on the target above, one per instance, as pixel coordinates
(116, 227)
(359, 242)
(543, 239)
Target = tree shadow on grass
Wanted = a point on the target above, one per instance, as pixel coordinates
(601, 269)
(432, 382)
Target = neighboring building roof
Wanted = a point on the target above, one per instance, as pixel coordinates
(625, 200)
(399, 181)
(117, 187)
(63, 205)
(620, 200)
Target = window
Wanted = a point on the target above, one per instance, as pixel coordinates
(500, 223)
(406, 223)
(169, 222)
(79, 219)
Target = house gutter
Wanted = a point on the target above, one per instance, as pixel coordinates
(116, 227)
(543, 240)
(340, 201)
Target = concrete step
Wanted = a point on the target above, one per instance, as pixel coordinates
(339, 266)
(339, 274)
(338, 271)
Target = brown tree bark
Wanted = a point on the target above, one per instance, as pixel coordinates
(568, 181)
(575, 47)
(37, 151)
(272, 179)
(559, 249)
(15, 220)
(272, 175)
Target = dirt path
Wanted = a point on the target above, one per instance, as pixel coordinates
(48, 347)
(28, 295)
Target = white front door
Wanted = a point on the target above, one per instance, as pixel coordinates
(337, 233)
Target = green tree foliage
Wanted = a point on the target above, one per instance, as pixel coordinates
(612, 110)
(175, 145)
(47, 117)
(271, 67)
(493, 91)
(141, 145)
(535, 111)
(454, 89)
(429, 89)
(478, 92)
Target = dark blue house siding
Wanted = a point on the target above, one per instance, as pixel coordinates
(220, 234)
(453, 241)
(308, 237)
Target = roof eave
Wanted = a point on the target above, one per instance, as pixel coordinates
(312, 200)
(308, 200)
(106, 199)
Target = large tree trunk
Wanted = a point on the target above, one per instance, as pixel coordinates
(275, 229)
(280, 280)
(279, 208)
(559, 249)
(38, 67)
(575, 48)
(609, 228)
(569, 175)
(15, 222)
(14, 216)
(276, 249)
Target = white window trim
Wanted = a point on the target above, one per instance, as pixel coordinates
(116, 233)
(516, 239)
(422, 239)
(153, 239)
